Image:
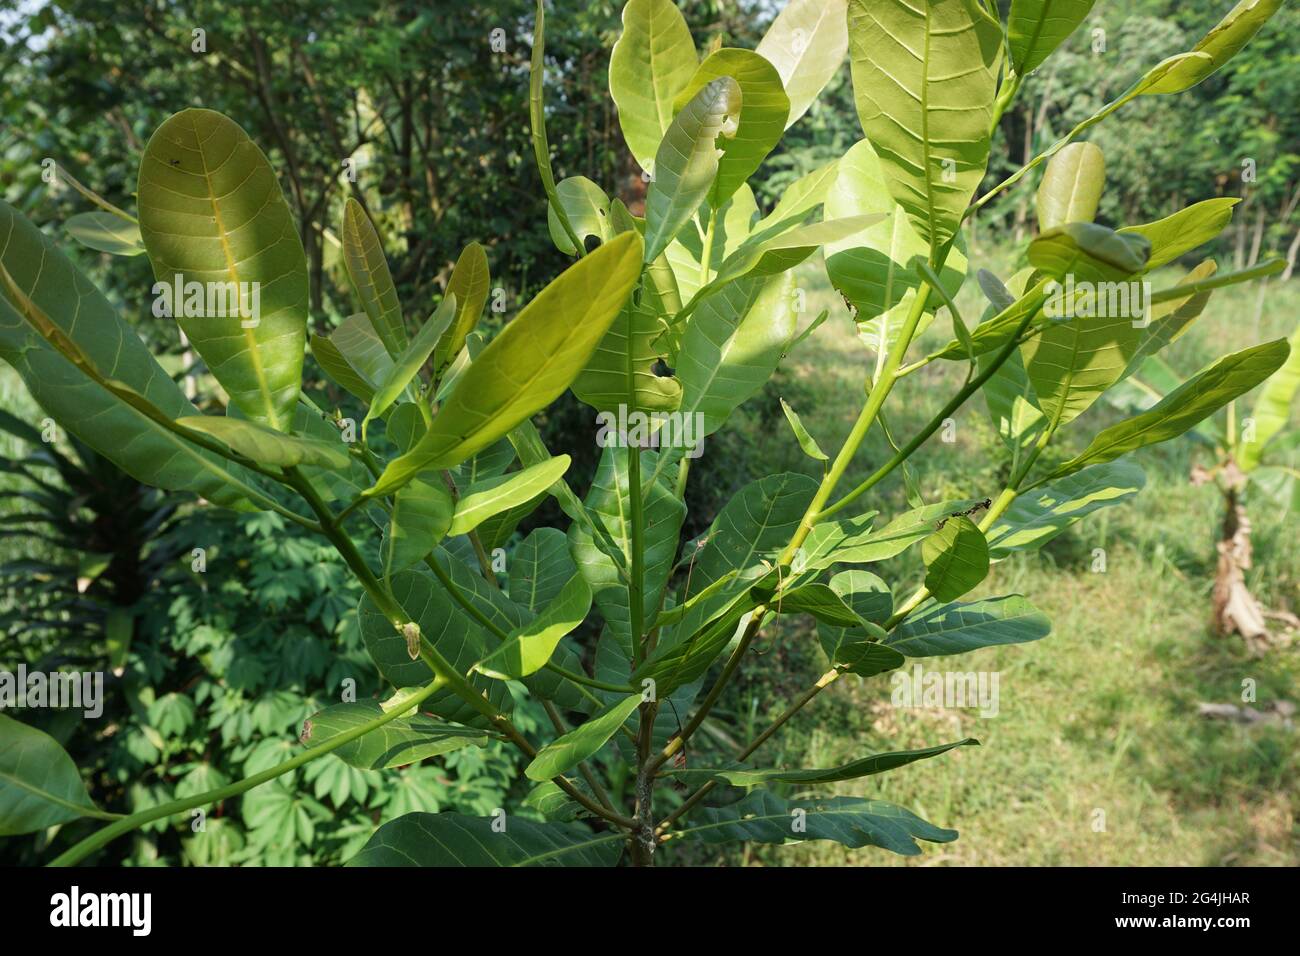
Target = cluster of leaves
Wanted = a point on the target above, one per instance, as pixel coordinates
(688, 310)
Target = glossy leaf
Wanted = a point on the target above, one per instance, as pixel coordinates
(265, 445)
(802, 435)
(402, 741)
(1037, 27)
(567, 751)
(106, 232)
(742, 776)
(762, 817)
(354, 356)
(529, 363)
(1038, 516)
(539, 568)
(652, 61)
(587, 207)
(1186, 229)
(622, 370)
(1219, 45)
(454, 839)
(409, 361)
(421, 516)
(957, 628)
(1071, 186)
(956, 558)
(688, 162)
(527, 649)
(764, 108)
(852, 540)
(924, 81)
(470, 282)
(367, 267)
(818, 600)
(490, 496)
(39, 784)
(1198, 397)
(806, 43)
(211, 211)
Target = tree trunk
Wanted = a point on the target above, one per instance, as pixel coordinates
(1235, 609)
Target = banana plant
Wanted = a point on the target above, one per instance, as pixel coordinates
(673, 315)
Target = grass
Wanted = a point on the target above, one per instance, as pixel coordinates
(1097, 755)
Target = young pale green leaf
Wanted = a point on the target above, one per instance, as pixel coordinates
(763, 817)
(1011, 402)
(52, 319)
(732, 346)
(1219, 45)
(491, 496)
(339, 369)
(39, 784)
(1197, 398)
(211, 211)
(529, 363)
(527, 649)
(1186, 229)
(1168, 320)
(1071, 186)
(454, 839)
(354, 356)
(567, 751)
(266, 446)
(587, 207)
(1273, 407)
(956, 558)
(421, 517)
(609, 505)
(1038, 516)
(653, 60)
(993, 332)
(821, 602)
(924, 81)
(367, 267)
(764, 108)
(1088, 252)
(957, 628)
(407, 364)
(106, 232)
(872, 268)
(743, 776)
(405, 740)
(802, 435)
(1037, 27)
(469, 283)
(806, 43)
(852, 541)
(687, 162)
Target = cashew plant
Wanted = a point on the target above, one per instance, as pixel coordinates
(664, 324)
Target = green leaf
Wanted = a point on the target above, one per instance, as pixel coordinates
(653, 60)
(539, 568)
(354, 356)
(609, 504)
(763, 817)
(1186, 229)
(444, 624)
(1273, 407)
(852, 540)
(1038, 516)
(801, 434)
(688, 161)
(528, 648)
(806, 43)
(453, 839)
(567, 751)
(1197, 398)
(493, 495)
(587, 207)
(956, 558)
(1219, 45)
(405, 740)
(410, 360)
(1071, 186)
(1037, 27)
(529, 363)
(821, 602)
(265, 445)
(211, 210)
(363, 255)
(39, 784)
(470, 282)
(743, 776)
(1088, 252)
(106, 232)
(872, 269)
(924, 81)
(732, 345)
(957, 628)
(764, 108)
(1168, 320)
(421, 517)
(70, 313)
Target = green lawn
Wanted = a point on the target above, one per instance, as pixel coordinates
(1097, 755)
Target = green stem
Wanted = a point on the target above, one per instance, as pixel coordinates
(636, 586)
(537, 118)
(102, 837)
